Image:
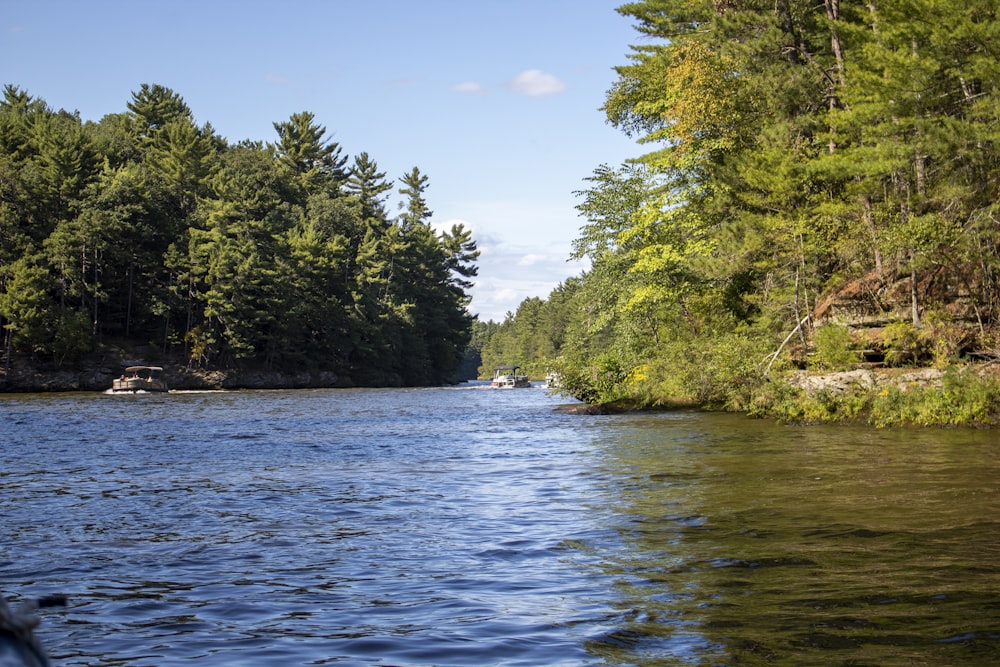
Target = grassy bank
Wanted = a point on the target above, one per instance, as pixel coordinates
(963, 396)
(959, 396)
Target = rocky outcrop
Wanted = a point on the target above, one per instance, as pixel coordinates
(863, 380)
(875, 300)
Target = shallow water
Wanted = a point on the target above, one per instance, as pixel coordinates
(467, 526)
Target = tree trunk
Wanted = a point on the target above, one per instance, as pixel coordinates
(128, 307)
(869, 218)
(7, 356)
(904, 216)
(96, 290)
(833, 14)
(797, 309)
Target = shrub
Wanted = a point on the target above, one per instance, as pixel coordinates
(944, 339)
(904, 345)
(834, 347)
(963, 399)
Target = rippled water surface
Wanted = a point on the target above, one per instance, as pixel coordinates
(467, 526)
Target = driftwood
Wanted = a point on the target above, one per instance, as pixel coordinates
(785, 342)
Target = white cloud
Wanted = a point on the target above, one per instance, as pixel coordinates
(535, 83)
(468, 87)
(504, 282)
(522, 252)
(531, 259)
(481, 239)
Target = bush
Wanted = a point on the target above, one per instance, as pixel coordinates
(904, 344)
(72, 337)
(963, 399)
(944, 339)
(834, 348)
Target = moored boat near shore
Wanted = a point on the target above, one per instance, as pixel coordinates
(139, 378)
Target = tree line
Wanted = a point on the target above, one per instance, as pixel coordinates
(797, 152)
(145, 226)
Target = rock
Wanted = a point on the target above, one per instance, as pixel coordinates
(863, 380)
(923, 377)
(834, 382)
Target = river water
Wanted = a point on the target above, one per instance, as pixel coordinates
(469, 526)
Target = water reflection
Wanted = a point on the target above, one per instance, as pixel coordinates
(745, 542)
(449, 527)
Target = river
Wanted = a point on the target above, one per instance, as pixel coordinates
(470, 526)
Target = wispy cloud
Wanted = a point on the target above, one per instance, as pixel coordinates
(276, 79)
(536, 83)
(517, 259)
(532, 259)
(504, 281)
(468, 87)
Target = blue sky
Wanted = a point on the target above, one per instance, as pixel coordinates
(496, 102)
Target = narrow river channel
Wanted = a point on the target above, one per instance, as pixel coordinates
(471, 526)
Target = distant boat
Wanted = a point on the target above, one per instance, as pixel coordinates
(507, 377)
(139, 378)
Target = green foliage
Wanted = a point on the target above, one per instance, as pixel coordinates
(793, 146)
(962, 399)
(904, 344)
(721, 372)
(72, 336)
(25, 304)
(834, 348)
(145, 226)
(368, 184)
(154, 107)
(945, 338)
(603, 380)
(303, 149)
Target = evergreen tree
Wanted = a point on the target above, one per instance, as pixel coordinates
(303, 148)
(144, 226)
(153, 107)
(794, 147)
(414, 206)
(368, 184)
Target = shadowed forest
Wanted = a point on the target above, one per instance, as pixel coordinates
(145, 228)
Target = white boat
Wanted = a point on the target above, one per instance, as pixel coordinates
(507, 377)
(139, 378)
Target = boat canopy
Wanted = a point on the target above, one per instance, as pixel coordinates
(136, 369)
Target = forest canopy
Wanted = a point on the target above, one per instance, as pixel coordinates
(145, 226)
(821, 182)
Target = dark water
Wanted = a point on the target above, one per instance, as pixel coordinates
(467, 526)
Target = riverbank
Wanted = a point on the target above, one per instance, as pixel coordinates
(95, 372)
(964, 395)
(958, 396)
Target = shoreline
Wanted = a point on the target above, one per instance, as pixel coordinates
(961, 396)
